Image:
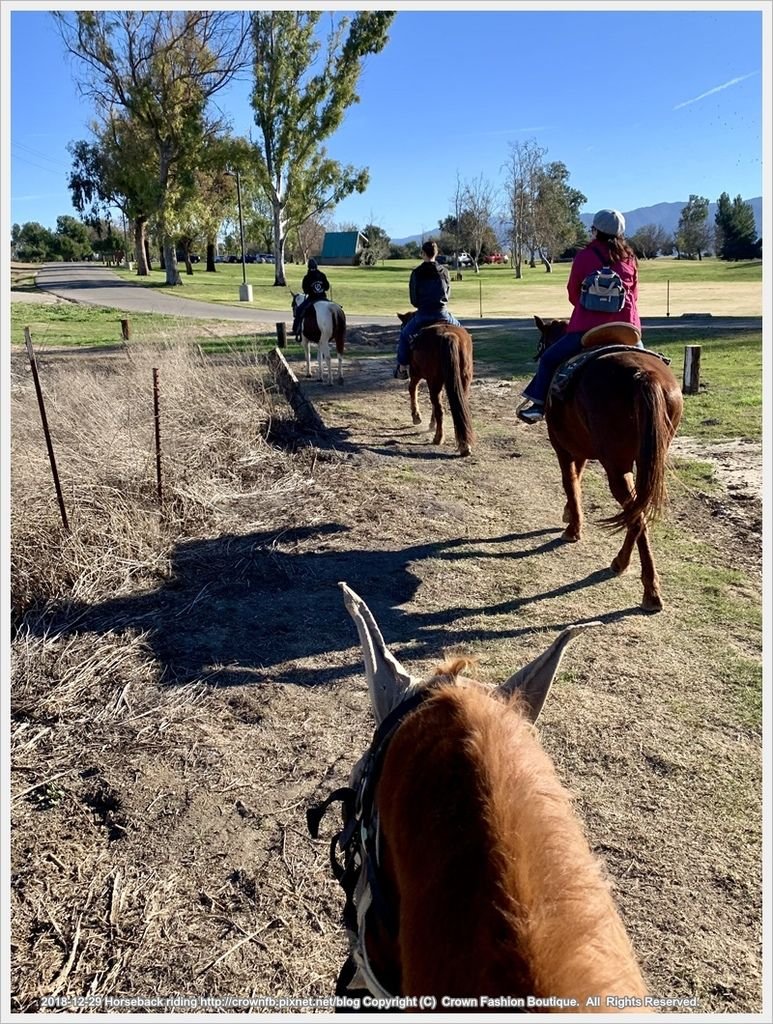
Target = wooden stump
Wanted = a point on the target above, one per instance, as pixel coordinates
(692, 370)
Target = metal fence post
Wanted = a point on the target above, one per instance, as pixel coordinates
(157, 421)
(46, 432)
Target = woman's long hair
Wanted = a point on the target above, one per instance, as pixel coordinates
(619, 249)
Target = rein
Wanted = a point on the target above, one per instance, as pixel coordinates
(355, 849)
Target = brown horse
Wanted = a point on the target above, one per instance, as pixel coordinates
(323, 322)
(622, 407)
(466, 871)
(441, 354)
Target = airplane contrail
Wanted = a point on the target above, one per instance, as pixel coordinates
(717, 88)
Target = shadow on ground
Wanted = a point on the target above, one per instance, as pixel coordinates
(266, 606)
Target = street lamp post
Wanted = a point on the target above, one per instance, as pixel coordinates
(245, 290)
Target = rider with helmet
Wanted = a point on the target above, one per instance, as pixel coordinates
(607, 247)
(315, 286)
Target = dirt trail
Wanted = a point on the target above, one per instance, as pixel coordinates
(649, 724)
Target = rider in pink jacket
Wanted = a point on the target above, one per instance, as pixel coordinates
(607, 247)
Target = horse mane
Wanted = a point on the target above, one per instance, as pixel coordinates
(498, 890)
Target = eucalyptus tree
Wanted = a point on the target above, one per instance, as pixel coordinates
(161, 69)
(301, 93)
(556, 222)
(115, 170)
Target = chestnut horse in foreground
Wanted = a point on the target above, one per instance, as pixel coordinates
(441, 354)
(323, 322)
(466, 871)
(622, 407)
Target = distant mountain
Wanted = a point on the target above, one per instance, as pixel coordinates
(666, 215)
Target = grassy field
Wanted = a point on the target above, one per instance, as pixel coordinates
(675, 286)
(66, 324)
(728, 405)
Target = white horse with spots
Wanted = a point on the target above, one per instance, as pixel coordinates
(323, 322)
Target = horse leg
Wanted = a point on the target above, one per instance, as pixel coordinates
(652, 601)
(437, 410)
(340, 369)
(570, 478)
(413, 387)
(307, 348)
(579, 466)
(621, 486)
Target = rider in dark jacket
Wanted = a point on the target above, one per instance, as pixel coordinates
(429, 288)
(315, 287)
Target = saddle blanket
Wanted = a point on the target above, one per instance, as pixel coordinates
(567, 371)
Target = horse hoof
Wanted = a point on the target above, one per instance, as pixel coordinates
(437, 440)
(617, 567)
(652, 603)
(416, 418)
(570, 536)
(464, 452)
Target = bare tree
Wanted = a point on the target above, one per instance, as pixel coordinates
(479, 201)
(521, 183)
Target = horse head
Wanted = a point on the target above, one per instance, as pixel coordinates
(549, 333)
(453, 758)
(295, 301)
(389, 684)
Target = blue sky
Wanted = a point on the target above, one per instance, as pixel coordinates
(643, 106)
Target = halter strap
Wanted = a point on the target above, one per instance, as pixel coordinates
(358, 842)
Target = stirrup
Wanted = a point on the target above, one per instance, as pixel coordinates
(401, 372)
(530, 414)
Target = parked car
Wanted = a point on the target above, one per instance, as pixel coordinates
(495, 257)
(462, 259)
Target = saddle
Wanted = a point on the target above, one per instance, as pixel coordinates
(617, 332)
(566, 373)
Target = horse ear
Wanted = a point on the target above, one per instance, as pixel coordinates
(534, 680)
(540, 323)
(387, 679)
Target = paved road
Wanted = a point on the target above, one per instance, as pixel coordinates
(96, 285)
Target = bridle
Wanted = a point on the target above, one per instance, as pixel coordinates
(355, 853)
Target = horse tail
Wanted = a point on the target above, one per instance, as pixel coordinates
(451, 360)
(655, 434)
(339, 328)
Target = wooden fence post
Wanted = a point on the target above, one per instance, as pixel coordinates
(126, 329)
(692, 369)
(281, 334)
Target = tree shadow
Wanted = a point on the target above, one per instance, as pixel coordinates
(266, 606)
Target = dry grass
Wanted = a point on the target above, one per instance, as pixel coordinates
(213, 425)
(111, 895)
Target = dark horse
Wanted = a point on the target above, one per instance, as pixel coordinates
(622, 407)
(441, 354)
(323, 322)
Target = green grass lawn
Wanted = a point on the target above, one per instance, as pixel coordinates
(729, 403)
(66, 323)
(384, 288)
